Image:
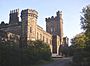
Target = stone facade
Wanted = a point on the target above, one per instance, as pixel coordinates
(14, 18)
(28, 30)
(11, 31)
(8, 36)
(54, 26)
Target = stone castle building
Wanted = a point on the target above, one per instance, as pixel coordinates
(28, 30)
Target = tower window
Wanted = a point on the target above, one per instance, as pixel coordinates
(30, 29)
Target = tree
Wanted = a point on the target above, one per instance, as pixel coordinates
(82, 58)
(64, 49)
(79, 40)
(85, 19)
(42, 49)
(85, 24)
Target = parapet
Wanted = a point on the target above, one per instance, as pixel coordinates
(33, 11)
(14, 11)
(29, 11)
(59, 13)
(52, 18)
(14, 16)
(49, 19)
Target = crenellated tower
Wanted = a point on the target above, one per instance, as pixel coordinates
(14, 17)
(54, 25)
(29, 22)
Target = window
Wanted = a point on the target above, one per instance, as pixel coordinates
(50, 41)
(43, 38)
(47, 40)
(37, 35)
(30, 29)
(40, 36)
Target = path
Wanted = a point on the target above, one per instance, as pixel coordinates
(60, 62)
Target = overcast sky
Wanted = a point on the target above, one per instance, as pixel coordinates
(46, 8)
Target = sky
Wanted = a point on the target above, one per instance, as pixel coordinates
(46, 8)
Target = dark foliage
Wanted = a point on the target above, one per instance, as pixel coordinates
(81, 56)
(12, 55)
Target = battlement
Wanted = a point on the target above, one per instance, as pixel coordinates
(14, 17)
(30, 12)
(58, 14)
(14, 11)
(49, 18)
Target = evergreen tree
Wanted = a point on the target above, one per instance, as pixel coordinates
(85, 20)
(81, 56)
(85, 24)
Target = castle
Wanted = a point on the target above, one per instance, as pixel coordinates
(28, 30)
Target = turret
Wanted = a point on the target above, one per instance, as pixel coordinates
(60, 25)
(29, 24)
(54, 25)
(59, 14)
(13, 17)
(29, 12)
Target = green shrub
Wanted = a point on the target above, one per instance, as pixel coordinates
(12, 55)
